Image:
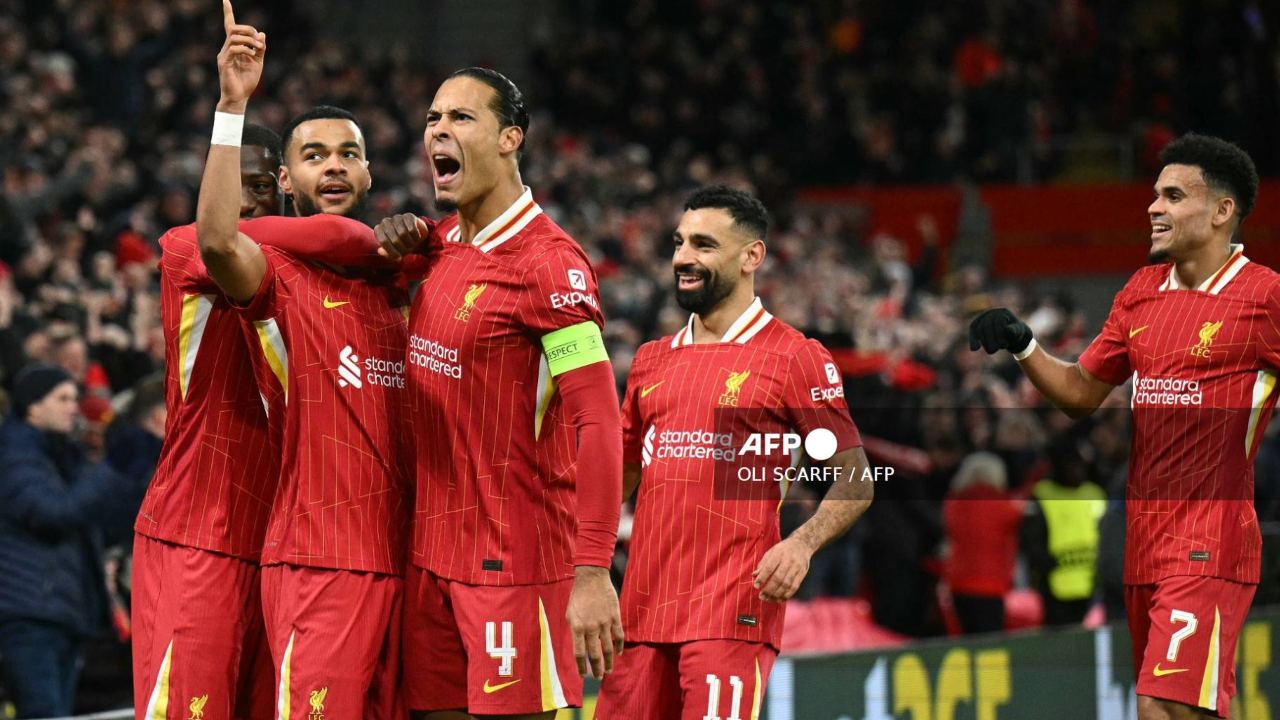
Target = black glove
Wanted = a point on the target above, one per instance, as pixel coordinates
(999, 329)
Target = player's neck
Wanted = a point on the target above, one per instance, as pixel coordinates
(1194, 270)
(711, 327)
(476, 216)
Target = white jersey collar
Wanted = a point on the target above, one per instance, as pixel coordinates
(748, 325)
(505, 226)
(1218, 280)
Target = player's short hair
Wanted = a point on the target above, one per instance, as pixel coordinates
(319, 112)
(1226, 167)
(508, 101)
(747, 212)
(263, 137)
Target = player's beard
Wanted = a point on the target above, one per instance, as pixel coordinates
(1158, 256)
(706, 298)
(304, 206)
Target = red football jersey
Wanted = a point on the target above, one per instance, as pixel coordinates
(216, 475)
(496, 457)
(1203, 364)
(331, 347)
(707, 508)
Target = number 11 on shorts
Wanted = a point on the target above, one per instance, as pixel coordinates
(504, 653)
(713, 698)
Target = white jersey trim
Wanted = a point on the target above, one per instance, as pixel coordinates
(746, 326)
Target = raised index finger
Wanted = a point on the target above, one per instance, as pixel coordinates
(228, 16)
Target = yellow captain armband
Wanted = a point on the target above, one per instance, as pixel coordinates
(573, 347)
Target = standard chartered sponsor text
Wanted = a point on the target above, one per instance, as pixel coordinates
(387, 373)
(696, 445)
(1167, 391)
(435, 357)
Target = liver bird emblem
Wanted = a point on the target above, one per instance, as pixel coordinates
(197, 706)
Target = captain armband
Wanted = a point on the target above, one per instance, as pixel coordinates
(573, 347)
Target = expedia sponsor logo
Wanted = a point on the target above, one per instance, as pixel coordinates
(686, 445)
(435, 357)
(1167, 391)
(825, 394)
(569, 299)
(353, 372)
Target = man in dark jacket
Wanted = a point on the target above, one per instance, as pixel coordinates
(52, 595)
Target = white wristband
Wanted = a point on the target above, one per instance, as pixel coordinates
(1026, 352)
(227, 129)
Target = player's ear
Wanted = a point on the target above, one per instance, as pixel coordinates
(286, 185)
(755, 253)
(1225, 211)
(509, 139)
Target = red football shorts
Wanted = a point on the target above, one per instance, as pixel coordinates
(488, 650)
(1184, 631)
(335, 642)
(197, 634)
(690, 680)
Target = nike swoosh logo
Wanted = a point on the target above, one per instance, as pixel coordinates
(495, 688)
(644, 392)
(329, 304)
(1135, 332)
(1161, 673)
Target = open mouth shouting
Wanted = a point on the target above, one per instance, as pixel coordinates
(445, 167)
(335, 192)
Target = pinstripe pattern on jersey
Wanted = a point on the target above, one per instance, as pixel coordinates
(697, 540)
(1190, 489)
(342, 500)
(497, 458)
(217, 470)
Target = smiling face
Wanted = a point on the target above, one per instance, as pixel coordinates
(712, 255)
(325, 168)
(1187, 213)
(470, 151)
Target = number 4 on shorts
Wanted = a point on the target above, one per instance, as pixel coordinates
(505, 653)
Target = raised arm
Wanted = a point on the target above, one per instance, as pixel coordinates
(1069, 386)
(235, 263)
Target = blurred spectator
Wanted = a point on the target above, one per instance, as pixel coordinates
(981, 522)
(53, 595)
(1060, 532)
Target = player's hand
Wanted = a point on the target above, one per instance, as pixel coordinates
(400, 234)
(239, 62)
(999, 329)
(595, 620)
(781, 570)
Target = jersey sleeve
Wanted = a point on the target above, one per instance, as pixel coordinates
(632, 425)
(333, 239)
(1107, 357)
(560, 292)
(180, 261)
(815, 396)
(1269, 329)
(271, 296)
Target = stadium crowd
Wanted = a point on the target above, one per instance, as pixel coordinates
(105, 110)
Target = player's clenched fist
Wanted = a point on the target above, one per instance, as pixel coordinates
(400, 234)
(595, 621)
(999, 329)
(240, 60)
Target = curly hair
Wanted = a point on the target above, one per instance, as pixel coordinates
(1226, 168)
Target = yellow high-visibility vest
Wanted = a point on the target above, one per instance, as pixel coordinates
(1071, 517)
